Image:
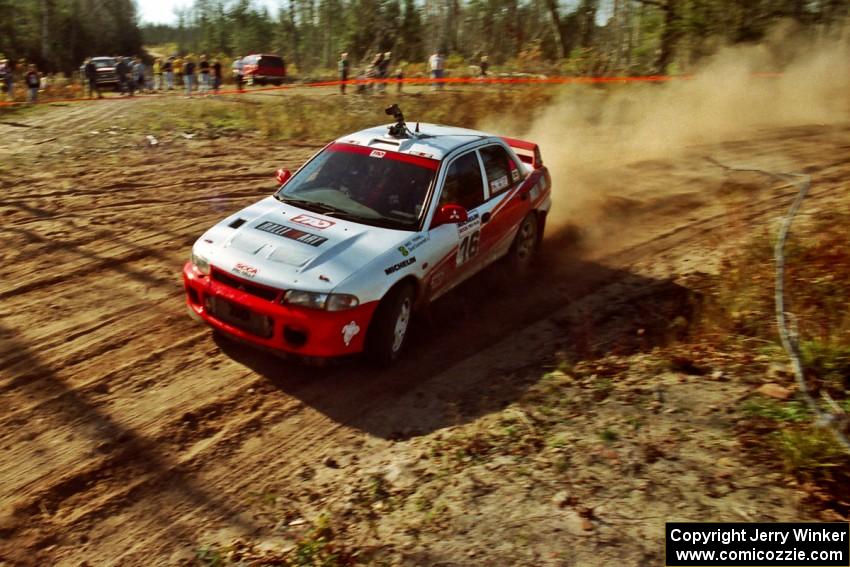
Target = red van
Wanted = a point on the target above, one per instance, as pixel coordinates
(263, 69)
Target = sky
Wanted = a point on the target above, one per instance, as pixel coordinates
(162, 11)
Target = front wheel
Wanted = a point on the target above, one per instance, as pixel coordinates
(389, 329)
(524, 247)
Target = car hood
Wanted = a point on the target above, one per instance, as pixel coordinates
(282, 246)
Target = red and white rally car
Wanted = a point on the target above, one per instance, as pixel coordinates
(374, 226)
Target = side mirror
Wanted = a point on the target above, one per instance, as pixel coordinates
(449, 214)
(282, 175)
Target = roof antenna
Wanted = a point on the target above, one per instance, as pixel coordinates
(399, 129)
(417, 127)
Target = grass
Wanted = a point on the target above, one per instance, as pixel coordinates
(810, 452)
(318, 547)
(788, 412)
(322, 116)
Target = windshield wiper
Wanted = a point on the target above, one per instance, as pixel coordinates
(319, 207)
(314, 206)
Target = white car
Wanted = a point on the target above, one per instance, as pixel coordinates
(374, 226)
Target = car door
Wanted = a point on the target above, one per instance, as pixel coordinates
(501, 213)
(458, 244)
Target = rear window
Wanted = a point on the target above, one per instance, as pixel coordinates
(99, 63)
(269, 61)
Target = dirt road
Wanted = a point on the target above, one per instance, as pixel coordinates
(129, 433)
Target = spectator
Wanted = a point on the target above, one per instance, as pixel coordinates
(157, 74)
(7, 77)
(384, 69)
(343, 67)
(139, 74)
(484, 65)
(177, 67)
(374, 71)
(33, 81)
(121, 71)
(204, 67)
(91, 76)
(437, 65)
(216, 76)
(399, 75)
(189, 75)
(167, 69)
(237, 69)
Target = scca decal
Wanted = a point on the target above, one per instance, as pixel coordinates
(245, 270)
(400, 265)
(307, 220)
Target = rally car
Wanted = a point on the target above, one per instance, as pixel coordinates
(373, 227)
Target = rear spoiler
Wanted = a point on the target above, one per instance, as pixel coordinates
(528, 152)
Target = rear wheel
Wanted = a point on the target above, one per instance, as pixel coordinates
(524, 247)
(389, 328)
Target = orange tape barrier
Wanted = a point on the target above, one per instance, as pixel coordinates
(420, 81)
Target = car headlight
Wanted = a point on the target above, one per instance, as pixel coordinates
(327, 301)
(201, 263)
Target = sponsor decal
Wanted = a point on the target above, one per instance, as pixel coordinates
(292, 233)
(515, 175)
(349, 332)
(499, 184)
(314, 222)
(377, 154)
(403, 264)
(244, 270)
(472, 224)
(403, 251)
(415, 243)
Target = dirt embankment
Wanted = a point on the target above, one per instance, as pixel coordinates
(131, 436)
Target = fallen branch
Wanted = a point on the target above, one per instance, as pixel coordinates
(803, 182)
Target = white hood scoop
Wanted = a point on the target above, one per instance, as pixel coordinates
(290, 257)
(247, 242)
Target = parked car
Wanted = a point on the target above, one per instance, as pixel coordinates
(373, 227)
(263, 69)
(105, 71)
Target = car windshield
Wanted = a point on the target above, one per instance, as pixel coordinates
(100, 63)
(361, 184)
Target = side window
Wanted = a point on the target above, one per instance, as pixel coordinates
(501, 170)
(463, 185)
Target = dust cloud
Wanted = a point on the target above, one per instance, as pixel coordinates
(594, 140)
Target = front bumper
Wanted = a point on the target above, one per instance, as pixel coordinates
(267, 323)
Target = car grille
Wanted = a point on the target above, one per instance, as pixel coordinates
(262, 292)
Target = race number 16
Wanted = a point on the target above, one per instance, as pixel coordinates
(468, 247)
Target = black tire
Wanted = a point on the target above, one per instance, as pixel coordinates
(524, 247)
(390, 326)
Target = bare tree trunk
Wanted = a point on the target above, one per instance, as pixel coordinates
(45, 30)
(563, 42)
(669, 37)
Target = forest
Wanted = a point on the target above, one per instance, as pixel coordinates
(576, 37)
